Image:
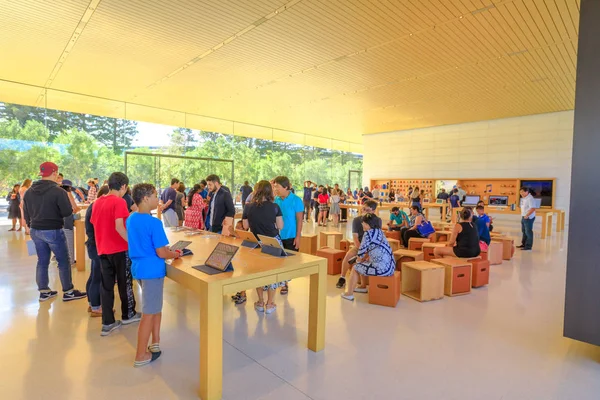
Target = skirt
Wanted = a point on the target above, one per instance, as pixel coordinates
(335, 208)
(14, 211)
(323, 207)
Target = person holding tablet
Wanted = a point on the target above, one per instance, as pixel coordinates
(263, 217)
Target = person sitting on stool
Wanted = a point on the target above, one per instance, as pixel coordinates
(398, 219)
(464, 240)
(416, 219)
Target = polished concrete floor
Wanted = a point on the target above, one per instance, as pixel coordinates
(503, 341)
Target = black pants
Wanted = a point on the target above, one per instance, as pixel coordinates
(116, 266)
(410, 234)
(288, 244)
(316, 212)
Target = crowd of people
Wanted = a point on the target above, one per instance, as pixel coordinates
(125, 242)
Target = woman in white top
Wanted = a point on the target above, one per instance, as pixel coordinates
(335, 206)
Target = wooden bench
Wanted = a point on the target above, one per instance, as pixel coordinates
(508, 247)
(308, 244)
(441, 236)
(494, 253)
(334, 257)
(417, 243)
(392, 235)
(394, 244)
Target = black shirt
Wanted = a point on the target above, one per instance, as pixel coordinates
(246, 190)
(358, 228)
(443, 196)
(467, 241)
(262, 218)
(45, 206)
(129, 202)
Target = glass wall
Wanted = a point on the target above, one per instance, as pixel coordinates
(88, 146)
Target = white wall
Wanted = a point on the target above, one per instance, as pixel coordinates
(537, 146)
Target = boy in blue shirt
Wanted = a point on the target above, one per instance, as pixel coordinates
(482, 222)
(292, 209)
(148, 249)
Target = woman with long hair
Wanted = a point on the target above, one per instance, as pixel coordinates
(464, 240)
(14, 207)
(26, 185)
(194, 214)
(263, 217)
(323, 206)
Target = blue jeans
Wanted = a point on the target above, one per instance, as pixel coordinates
(527, 229)
(94, 283)
(46, 243)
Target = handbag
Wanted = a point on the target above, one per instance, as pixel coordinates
(425, 229)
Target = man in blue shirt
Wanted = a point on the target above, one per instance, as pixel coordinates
(203, 191)
(306, 199)
(169, 198)
(292, 209)
(398, 219)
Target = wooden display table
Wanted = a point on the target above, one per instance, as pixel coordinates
(80, 238)
(422, 280)
(428, 250)
(457, 275)
(337, 238)
(404, 255)
(507, 246)
(252, 269)
(308, 244)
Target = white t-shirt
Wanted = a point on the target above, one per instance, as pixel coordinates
(527, 204)
(375, 193)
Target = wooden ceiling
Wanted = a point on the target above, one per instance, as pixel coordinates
(329, 68)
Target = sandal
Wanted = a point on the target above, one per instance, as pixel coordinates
(259, 306)
(270, 308)
(240, 299)
(11, 229)
(284, 290)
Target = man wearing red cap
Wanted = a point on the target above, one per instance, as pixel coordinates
(47, 205)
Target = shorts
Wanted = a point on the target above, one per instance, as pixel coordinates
(152, 295)
(170, 218)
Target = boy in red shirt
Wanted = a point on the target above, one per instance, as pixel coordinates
(108, 217)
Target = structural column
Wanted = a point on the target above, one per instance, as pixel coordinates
(582, 302)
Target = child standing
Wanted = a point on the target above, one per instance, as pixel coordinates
(148, 249)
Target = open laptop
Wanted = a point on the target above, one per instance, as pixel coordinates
(440, 201)
(471, 200)
(219, 260)
(249, 240)
(272, 246)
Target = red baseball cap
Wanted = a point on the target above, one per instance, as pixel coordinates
(47, 169)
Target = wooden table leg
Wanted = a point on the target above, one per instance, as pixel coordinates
(544, 226)
(562, 220)
(80, 245)
(549, 224)
(317, 309)
(426, 209)
(211, 342)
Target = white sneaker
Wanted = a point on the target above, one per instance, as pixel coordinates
(348, 297)
(361, 290)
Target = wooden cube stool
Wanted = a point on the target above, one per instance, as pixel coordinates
(337, 239)
(385, 290)
(334, 259)
(428, 250)
(457, 275)
(422, 280)
(508, 245)
(405, 255)
(392, 235)
(345, 245)
(394, 244)
(308, 244)
(483, 255)
(494, 253)
(441, 236)
(417, 243)
(480, 270)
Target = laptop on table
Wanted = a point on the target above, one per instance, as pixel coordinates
(470, 201)
(249, 240)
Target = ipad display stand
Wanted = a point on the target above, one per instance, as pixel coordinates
(213, 271)
(274, 251)
(249, 244)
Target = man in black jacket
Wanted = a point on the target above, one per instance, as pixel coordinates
(46, 206)
(221, 206)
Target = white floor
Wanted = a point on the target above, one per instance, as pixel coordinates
(503, 341)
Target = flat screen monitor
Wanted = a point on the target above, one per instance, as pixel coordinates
(471, 200)
(542, 189)
(498, 201)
